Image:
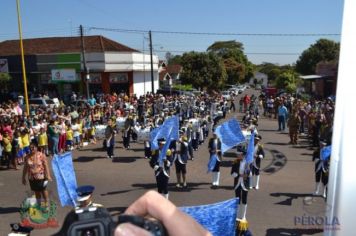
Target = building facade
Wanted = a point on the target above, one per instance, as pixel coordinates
(55, 65)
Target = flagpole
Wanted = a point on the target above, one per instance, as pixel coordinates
(22, 57)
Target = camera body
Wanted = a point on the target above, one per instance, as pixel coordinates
(97, 221)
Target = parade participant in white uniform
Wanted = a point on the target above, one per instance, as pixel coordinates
(259, 154)
(181, 159)
(321, 171)
(240, 171)
(215, 150)
(161, 168)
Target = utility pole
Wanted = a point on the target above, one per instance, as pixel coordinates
(86, 69)
(22, 57)
(151, 49)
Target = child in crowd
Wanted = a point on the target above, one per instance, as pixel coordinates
(7, 154)
(69, 138)
(43, 141)
(92, 133)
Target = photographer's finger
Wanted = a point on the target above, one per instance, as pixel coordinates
(128, 229)
(153, 204)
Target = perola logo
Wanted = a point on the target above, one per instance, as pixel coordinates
(36, 215)
(316, 210)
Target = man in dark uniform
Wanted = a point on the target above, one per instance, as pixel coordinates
(110, 139)
(162, 170)
(321, 170)
(215, 152)
(259, 154)
(181, 159)
(240, 171)
(127, 132)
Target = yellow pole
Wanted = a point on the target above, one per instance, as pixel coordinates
(22, 57)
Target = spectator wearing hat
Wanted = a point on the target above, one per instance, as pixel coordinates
(258, 154)
(240, 172)
(162, 168)
(215, 150)
(181, 159)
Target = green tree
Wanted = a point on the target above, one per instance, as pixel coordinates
(4, 79)
(287, 80)
(174, 59)
(322, 50)
(237, 66)
(221, 48)
(203, 70)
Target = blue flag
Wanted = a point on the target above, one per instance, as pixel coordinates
(170, 127)
(230, 134)
(63, 170)
(250, 149)
(325, 153)
(218, 219)
(163, 152)
(212, 162)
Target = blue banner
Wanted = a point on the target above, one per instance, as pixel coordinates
(63, 170)
(218, 218)
(250, 149)
(170, 127)
(325, 153)
(230, 134)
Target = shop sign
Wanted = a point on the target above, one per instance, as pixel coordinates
(64, 75)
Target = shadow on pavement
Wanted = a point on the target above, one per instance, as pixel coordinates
(171, 186)
(125, 159)
(115, 192)
(269, 130)
(290, 197)
(87, 159)
(278, 162)
(7, 210)
(137, 149)
(99, 149)
(292, 232)
(274, 143)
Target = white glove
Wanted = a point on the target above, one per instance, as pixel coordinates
(260, 156)
(156, 167)
(234, 174)
(168, 163)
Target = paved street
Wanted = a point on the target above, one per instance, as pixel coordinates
(274, 209)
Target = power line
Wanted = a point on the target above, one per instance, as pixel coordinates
(217, 34)
(248, 53)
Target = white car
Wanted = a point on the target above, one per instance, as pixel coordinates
(226, 95)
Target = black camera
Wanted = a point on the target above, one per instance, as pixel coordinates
(97, 221)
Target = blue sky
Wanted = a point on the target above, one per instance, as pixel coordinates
(43, 18)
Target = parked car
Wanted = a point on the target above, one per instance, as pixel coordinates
(226, 95)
